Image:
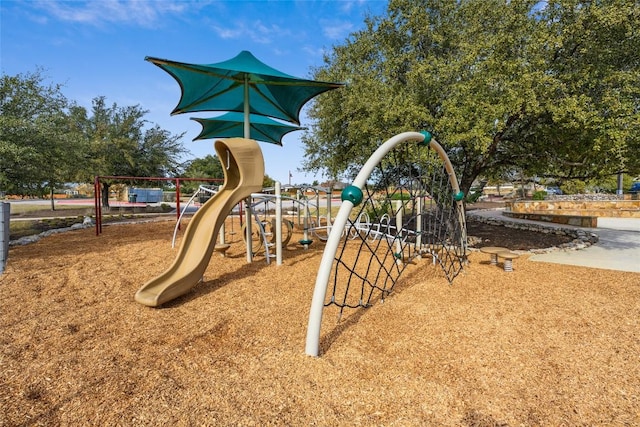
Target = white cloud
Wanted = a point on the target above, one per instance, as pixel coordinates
(257, 32)
(280, 52)
(229, 33)
(348, 6)
(314, 51)
(144, 13)
(336, 30)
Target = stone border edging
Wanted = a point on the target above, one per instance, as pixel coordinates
(581, 238)
(26, 240)
(34, 238)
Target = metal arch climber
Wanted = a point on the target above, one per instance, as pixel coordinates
(404, 204)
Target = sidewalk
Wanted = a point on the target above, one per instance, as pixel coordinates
(617, 249)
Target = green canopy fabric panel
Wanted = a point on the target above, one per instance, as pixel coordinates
(220, 87)
(231, 125)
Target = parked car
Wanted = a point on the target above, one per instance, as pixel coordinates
(635, 187)
(554, 191)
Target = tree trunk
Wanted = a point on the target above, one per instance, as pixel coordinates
(105, 195)
(53, 205)
(620, 190)
(466, 182)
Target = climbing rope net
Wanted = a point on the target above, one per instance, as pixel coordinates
(404, 206)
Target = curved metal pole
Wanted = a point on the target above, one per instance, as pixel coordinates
(453, 180)
(324, 271)
(178, 202)
(177, 227)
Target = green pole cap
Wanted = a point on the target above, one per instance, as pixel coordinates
(352, 194)
(427, 137)
(458, 196)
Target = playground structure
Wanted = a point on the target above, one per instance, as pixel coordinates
(261, 93)
(265, 231)
(412, 209)
(244, 172)
(306, 211)
(271, 229)
(409, 206)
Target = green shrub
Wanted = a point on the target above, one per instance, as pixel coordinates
(574, 186)
(539, 195)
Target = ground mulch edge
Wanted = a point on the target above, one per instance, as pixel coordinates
(547, 344)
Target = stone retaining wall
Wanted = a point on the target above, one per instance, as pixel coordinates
(586, 208)
(593, 197)
(575, 220)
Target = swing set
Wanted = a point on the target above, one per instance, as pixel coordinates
(97, 191)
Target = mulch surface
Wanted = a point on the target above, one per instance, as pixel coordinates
(511, 238)
(544, 345)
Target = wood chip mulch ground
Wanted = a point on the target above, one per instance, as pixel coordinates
(544, 345)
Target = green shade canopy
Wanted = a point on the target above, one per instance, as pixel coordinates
(231, 124)
(239, 82)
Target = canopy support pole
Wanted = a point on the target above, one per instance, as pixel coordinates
(247, 135)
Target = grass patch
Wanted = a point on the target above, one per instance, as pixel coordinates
(19, 229)
(23, 208)
(23, 228)
(400, 196)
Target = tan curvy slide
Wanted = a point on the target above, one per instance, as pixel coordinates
(243, 167)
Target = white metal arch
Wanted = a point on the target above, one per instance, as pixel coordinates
(328, 256)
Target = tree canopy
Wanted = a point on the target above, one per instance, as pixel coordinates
(206, 167)
(120, 142)
(47, 140)
(37, 150)
(210, 167)
(546, 88)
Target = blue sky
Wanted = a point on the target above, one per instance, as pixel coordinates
(97, 48)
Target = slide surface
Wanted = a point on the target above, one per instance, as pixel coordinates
(243, 167)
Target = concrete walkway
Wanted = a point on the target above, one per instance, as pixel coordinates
(618, 247)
